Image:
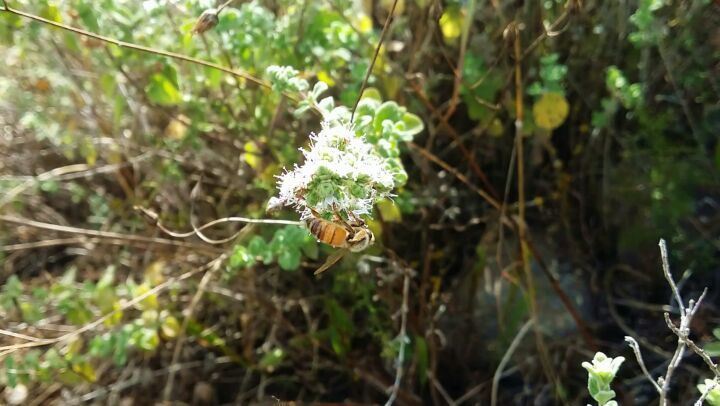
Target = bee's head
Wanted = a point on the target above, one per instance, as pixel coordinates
(362, 239)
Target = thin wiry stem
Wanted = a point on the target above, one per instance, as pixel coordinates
(155, 218)
(403, 339)
(222, 6)
(669, 277)
(506, 358)
(372, 64)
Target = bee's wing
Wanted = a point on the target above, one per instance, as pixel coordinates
(331, 260)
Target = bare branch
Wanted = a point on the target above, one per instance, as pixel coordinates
(668, 275)
(683, 336)
(638, 356)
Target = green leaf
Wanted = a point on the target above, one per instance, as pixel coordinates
(170, 327)
(87, 15)
(85, 370)
(13, 287)
(421, 354)
(319, 88)
(11, 374)
(371, 93)
(271, 359)
(258, 248)
(712, 348)
(451, 22)
(388, 111)
(289, 259)
(163, 88)
(310, 248)
(603, 396)
(412, 126)
(121, 340)
(145, 338)
(30, 312)
(107, 277)
(241, 258)
(389, 211)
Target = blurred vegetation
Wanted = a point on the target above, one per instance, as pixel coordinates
(614, 103)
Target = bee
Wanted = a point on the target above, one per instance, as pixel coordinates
(350, 236)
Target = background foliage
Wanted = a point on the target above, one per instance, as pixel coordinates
(620, 134)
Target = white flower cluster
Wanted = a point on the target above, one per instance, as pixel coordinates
(340, 171)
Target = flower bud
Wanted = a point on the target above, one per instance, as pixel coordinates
(207, 20)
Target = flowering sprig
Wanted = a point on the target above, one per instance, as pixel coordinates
(355, 160)
(341, 171)
(600, 375)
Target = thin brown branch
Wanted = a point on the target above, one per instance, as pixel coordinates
(377, 52)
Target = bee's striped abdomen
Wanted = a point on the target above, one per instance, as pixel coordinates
(327, 232)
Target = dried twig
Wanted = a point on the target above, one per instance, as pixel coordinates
(662, 385)
(638, 356)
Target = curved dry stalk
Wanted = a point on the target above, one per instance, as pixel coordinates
(155, 218)
(506, 358)
(638, 356)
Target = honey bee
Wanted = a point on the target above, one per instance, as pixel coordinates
(349, 236)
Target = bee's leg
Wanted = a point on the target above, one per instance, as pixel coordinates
(357, 221)
(341, 220)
